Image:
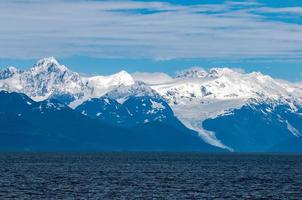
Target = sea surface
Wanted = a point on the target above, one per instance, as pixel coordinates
(149, 176)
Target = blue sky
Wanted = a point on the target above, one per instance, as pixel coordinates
(103, 37)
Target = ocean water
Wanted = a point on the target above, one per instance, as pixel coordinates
(149, 176)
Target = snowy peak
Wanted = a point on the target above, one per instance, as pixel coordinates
(101, 82)
(100, 85)
(122, 77)
(48, 65)
(47, 62)
(47, 78)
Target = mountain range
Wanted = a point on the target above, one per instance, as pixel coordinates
(51, 108)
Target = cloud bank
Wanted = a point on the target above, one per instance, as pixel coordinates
(156, 30)
(152, 78)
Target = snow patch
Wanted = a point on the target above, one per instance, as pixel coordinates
(292, 129)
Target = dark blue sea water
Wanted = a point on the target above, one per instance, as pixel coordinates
(150, 176)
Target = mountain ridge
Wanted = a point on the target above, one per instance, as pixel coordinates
(194, 95)
(49, 125)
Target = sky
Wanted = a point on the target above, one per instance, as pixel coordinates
(104, 37)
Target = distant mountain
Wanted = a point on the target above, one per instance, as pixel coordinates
(226, 108)
(196, 95)
(257, 127)
(51, 126)
(128, 106)
(47, 78)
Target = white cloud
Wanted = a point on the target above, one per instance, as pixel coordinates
(152, 78)
(107, 29)
(285, 10)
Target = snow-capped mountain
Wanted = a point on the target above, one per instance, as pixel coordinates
(129, 106)
(47, 78)
(100, 85)
(197, 96)
(201, 99)
(44, 79)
